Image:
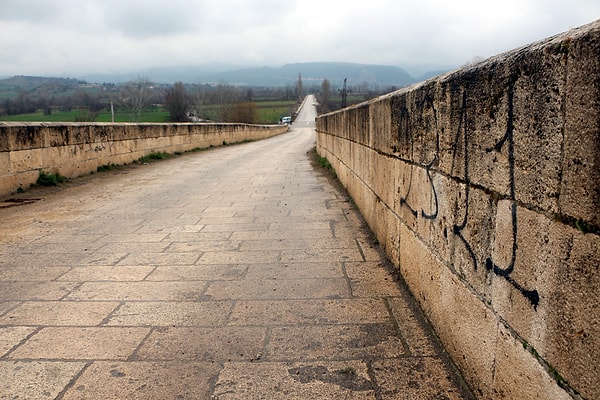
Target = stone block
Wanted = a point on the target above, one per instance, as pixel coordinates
(144, 379)
(413, 328)
(56, 136)
(79, 133)
(580, 186)
(416, 129)
(8, 184)
(560, 265)
(405, 196)
(471, 219)
(366, 202)
(536, 117)
(26, 160)
(383, 176)
(528, 253)
(380, 117)
(425, 378)
(455, 130)
(466, 327)
(420, 270)
(11, 336)
(78, 343)
(572, 344)
(4, 137)
(468, 330)
(435, 222)
(5, 164)
(334, 342)
(386, 230)
(59, 313)
(532, 382)
(24, 137)
(51, 378)
(294, 381)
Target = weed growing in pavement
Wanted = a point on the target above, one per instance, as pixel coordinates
(50, 179)
(347, 370)
(324, 162)
(107, 167)
(157, 155)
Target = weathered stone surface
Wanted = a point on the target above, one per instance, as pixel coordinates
(416, 378)
(11, 336)
(50, 378)
(286, 381)
(579, 190)
(532, 383)
(58, 313)
(81, 343)
(482, 185)
(144, 380)
(360, 341)
(181, 313)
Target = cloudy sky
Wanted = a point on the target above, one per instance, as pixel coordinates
(79, 37)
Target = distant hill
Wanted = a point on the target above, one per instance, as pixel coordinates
(38, 86)
(315, 73)
(312, 73)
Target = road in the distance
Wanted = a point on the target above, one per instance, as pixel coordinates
(307, 114)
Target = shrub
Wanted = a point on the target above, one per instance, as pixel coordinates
(49, 179)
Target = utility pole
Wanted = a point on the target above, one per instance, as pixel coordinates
(344, 93)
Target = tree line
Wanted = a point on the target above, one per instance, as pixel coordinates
(184, 102)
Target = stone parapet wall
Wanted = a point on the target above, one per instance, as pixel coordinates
(483, 187)
(74, 149)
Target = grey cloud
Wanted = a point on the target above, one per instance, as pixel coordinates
(80, 37)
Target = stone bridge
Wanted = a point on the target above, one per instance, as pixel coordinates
(482, 187)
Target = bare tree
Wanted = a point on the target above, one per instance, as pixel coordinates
(225, 97)
(299, 88)
(244, 112)
(325, 95)
(134, 96)
(177, 102)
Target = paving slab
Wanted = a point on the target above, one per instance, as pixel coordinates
(36, 379)
(114, 380)
(240, 272)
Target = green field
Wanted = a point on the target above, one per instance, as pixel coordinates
(269, 112)
(72, 116)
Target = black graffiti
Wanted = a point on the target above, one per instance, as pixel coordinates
(405, 130)
(463, 129)
(508, 140)
(461, 143)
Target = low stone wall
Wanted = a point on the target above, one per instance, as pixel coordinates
(483, 187)
(74, 149)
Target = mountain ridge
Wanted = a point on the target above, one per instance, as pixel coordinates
(311, 72)
(370, 76)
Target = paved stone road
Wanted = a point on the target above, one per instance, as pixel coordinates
(235, 273)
